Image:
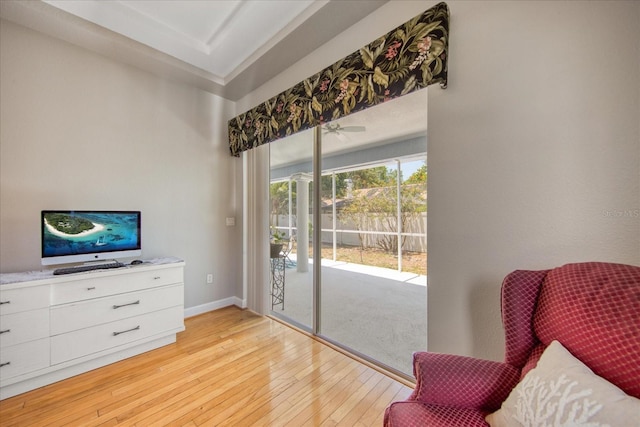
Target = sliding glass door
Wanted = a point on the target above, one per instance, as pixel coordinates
(368, 294)
(291, 229)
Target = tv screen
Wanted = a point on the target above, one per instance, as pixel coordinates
(77, 236)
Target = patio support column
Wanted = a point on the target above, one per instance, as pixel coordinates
(302, 223)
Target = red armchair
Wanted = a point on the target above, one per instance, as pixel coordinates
(592, 309)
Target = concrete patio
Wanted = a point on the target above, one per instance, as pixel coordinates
(378, 312)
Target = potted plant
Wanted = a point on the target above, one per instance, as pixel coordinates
(277, 242)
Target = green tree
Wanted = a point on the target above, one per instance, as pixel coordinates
(279, 198)
(379, 176)
(326, 184)
(415, 188)
(418, 177)
(375, 206)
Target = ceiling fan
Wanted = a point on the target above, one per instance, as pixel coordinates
(337, 130)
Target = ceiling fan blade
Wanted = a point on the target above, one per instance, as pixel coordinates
(353, 129)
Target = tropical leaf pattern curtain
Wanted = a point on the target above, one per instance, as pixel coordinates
(409, 58)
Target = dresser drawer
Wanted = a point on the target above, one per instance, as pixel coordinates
(25, 326)
(96, 286)
(23, 358)
(80, 315)
(23, 299)
(87, 341)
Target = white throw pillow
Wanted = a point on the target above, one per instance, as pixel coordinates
(563, 391)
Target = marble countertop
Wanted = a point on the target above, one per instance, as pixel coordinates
(27, 276)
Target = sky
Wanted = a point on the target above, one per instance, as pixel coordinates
(408, 168)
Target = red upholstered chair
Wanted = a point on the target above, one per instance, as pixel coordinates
(592, 309)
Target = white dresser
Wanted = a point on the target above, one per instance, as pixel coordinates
(54, 327)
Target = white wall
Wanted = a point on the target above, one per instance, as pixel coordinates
(79, 131)
(534, 149)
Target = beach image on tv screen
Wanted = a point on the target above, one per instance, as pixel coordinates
(80, 233)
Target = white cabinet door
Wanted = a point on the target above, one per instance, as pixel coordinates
(87, 341)
(23, 358)
(98, 285)
(24, 326)
(80, 315)
(24, 299)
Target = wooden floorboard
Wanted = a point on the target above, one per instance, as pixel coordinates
(230, 367)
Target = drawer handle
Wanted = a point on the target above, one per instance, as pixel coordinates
(91, 288)
(128, 330)
(4, 364)
(5, 331)
(124, 305)
(5, 302)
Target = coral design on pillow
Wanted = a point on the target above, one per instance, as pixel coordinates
(563, 391)
(555, 403)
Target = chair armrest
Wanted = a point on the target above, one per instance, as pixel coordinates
(460, 381)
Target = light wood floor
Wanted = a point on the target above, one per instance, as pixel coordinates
(230, 367)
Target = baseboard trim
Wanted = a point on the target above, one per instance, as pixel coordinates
(214, 305)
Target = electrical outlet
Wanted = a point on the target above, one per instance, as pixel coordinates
(209, 278)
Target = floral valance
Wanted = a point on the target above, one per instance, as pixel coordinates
(411, 57)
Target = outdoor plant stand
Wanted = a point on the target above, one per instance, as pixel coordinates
(277, 280)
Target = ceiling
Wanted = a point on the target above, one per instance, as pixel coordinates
(228, 47)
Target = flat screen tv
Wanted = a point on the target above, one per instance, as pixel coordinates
(81, 236)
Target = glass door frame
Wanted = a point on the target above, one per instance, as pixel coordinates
(316, 321)
(317, 229)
